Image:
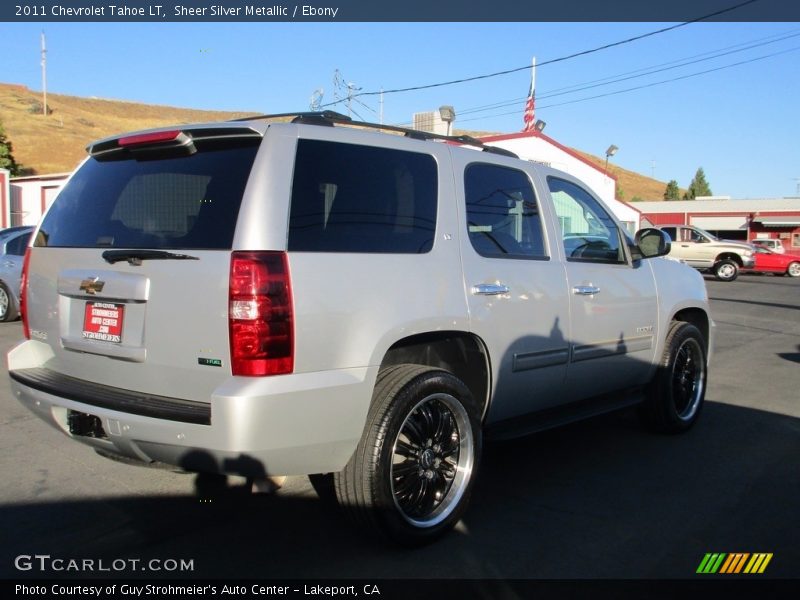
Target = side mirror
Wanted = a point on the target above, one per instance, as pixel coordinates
(652, 242)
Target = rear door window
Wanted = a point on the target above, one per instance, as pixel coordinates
(503, 218)
(174, 202)
(354, 198)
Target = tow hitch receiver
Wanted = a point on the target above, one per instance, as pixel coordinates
(85, 425)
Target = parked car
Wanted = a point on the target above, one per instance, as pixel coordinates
(768, 261)
(313, 297)
(13, 242)
(706, 252)
(772, 244)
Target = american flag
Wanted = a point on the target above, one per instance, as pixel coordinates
(528, 117)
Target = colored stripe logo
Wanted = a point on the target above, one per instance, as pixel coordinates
(734, 563)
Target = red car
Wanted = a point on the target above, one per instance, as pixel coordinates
(768, 261)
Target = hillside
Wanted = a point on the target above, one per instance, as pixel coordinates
(56, 143)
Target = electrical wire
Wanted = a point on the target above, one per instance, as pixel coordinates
(548, 62)
(641, 87)
(643, 72)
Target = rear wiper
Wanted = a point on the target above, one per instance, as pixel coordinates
(135, 257)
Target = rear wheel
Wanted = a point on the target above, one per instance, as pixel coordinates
(674, 399)
(413, 470)
(726, 270)
(793, 270)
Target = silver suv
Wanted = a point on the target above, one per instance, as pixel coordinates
(311, 297)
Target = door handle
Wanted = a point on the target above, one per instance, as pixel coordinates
(489, 289)
(585, 290)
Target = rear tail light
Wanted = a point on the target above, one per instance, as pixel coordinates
(23, 295)
(260, 314)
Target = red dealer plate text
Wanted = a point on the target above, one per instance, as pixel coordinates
(103, 322)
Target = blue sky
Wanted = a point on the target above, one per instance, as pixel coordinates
(738, 123)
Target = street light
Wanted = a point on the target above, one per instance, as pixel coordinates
(612, 150)
(448, 115)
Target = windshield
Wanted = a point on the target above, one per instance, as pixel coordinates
(710, 236)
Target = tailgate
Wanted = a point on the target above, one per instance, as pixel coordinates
(129, 270)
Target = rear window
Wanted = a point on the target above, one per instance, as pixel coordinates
(181, 202)
(352, 198)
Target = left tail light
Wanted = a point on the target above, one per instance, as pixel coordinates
(260, 314)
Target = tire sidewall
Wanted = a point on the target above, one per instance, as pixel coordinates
(422, 386)
(789, 270)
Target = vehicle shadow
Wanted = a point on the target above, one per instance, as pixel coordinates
(598, 499)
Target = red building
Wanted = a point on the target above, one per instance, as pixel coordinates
(745, 220)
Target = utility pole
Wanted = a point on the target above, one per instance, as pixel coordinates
(44, 77)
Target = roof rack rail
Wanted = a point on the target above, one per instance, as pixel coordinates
(330, 118)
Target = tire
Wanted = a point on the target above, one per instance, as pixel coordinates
(726, 270)
(674, 398)
(7, 310)
(412, 473)
(793, 270)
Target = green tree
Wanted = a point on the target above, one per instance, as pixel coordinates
(698, 187)
(6, 154)
(672, 192)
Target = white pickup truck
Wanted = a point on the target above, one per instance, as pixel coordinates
(704, 251)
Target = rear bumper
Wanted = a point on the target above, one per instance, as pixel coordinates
(256, 427)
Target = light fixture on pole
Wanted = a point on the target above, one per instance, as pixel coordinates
(612, 150)
(539, 125)
(448, 115)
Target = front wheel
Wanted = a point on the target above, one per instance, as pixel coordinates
(674, 399)
(793, 270)
(7, 311)
(726, 270)
(413, 470)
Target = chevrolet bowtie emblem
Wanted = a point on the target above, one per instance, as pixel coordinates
(92, 286)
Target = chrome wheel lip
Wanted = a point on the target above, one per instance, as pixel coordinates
(688, 375)
(464, 466)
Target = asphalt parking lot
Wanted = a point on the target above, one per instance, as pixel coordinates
(600, 499)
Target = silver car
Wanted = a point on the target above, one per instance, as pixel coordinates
(316, 297)
(13, 243)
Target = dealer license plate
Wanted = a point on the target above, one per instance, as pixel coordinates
(103, 322)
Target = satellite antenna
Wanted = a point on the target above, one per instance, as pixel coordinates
(316, 99)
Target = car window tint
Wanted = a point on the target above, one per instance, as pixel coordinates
(503, 218)
(588, 231)
(173, 202)
(353, 198)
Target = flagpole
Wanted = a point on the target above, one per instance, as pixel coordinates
(530, 105)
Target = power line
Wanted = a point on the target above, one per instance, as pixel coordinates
(643, 72)
(551, 61)
(648, 85)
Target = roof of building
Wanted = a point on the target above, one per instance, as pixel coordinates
(718, 206)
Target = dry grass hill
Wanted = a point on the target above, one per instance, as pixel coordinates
(56, 143)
